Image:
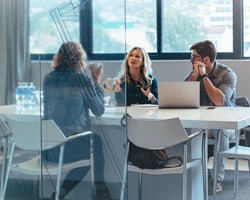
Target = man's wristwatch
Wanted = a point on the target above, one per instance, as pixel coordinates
(203, 76)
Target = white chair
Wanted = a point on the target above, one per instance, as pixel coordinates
(244, 134)
(236, 152)
(7, 146)
(244, 102)
(161, 134)
(29, 133)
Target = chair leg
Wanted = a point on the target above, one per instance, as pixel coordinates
(236, 178)
(124, 178)
(3, 166)
(236, 173)
(184, 191)
(124, 183)
(140, 187)
(9, 162)
(184, 179)
(247, 144)
(58, 181)
(92, 168)
(216, 156)
(204, 165)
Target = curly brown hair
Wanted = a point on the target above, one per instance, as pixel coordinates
(70, 55)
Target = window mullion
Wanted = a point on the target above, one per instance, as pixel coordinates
(238, 29)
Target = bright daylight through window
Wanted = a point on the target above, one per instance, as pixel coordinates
(113, 24)
(161, 26)
(44, 34)
(246, 28)
(186, 23)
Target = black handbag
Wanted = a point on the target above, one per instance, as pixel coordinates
(147, 158)
(151, 159)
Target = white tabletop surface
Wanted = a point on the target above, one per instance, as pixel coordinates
(217, 118)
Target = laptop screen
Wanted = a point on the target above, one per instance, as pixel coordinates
(179, 94)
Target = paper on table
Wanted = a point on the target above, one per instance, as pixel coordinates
(147, 106)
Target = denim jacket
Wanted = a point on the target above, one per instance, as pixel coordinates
(68, 97)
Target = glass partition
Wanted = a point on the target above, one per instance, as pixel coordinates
(68, 135)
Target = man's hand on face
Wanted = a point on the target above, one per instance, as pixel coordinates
(201, 67)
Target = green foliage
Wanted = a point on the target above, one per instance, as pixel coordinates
(181, 31)
(103, 43)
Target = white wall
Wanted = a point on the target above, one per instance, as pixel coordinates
(176, 70)
(164, 71)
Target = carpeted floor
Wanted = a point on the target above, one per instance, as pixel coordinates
(19, 190)
(243, 192)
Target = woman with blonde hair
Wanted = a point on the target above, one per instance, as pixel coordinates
(136, 79)
(137, 85)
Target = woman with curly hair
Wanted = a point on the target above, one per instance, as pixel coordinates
(69, 94)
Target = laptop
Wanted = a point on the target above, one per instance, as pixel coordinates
(179, 94)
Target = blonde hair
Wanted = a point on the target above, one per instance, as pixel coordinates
(70, 55)
(145, 69)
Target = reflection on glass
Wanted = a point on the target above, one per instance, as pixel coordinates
(112, 25)
(42, 27)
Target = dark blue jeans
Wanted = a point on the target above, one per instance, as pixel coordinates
(76, 150)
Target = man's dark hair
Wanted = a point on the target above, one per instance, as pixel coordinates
(205, 48)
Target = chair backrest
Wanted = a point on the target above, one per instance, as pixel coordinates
(242, 101)
(30, 132)
(51, 134)
(156, 134)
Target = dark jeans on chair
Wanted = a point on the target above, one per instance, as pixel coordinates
(76, 150)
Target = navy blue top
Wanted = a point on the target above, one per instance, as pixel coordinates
(134, 93)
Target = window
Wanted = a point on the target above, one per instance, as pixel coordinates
(50, 21)
(185, 23)
(113, 25)
(246, 28)
(166, 28)
(108, 26)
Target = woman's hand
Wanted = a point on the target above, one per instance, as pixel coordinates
(117, 82)
(96, 72)
(150, 96)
